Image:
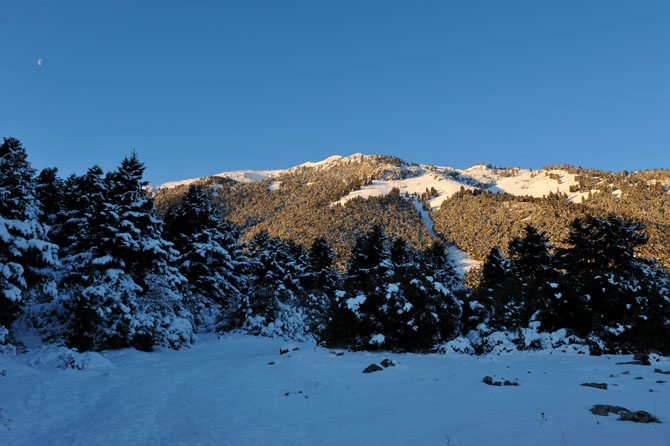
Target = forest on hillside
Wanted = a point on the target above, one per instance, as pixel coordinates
(97, 261)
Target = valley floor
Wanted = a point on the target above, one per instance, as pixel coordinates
(226, 392)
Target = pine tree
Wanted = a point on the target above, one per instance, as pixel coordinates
(599, 264)
(209, 257)
(440, 272)
(533, 266)
(274, 302)
(420, 306)
(357, 315)
(394, 297)
(320, 282)
(617, 290)
(493, 301)
(27, 259)
(130, 295)
(49, 194)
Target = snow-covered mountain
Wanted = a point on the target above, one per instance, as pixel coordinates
(294, 203)
(445, 180)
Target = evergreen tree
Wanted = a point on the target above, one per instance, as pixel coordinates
(210, 257)
(320, 282)
(394, 297)
(650, 328)
(82, 208)
(49, 194)
(440, 273)
(27, 259)
(418, 308)
(493, 301)
(130, 294)
(615, 288)
(357, 315)
(533, 266)
(274, 302)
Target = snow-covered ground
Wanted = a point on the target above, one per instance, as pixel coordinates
(242, 176)
(239, 390)
(536, 183)
(247, 176)
(445, 187)
(523, 182)
(462, 260)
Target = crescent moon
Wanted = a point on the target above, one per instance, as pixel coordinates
(39, 62)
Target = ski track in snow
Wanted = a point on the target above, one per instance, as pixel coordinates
(223, 392)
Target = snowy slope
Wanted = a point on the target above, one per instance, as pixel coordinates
(242, 176)
(424, 179)
(226, 392)
(446, 180)
(522, 182)
(247, 176)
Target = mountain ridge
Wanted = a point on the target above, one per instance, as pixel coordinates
(474, 209)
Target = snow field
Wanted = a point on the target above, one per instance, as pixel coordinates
(446, 187)
(225, 392)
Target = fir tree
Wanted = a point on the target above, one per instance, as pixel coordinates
(274, 302)
(209, 257)
(357, 315)
(533, 266)
(130, 294)
(445, 283)
(320, 282)
(493, 301)
(608, 281)
(27, 259)
(49, 194)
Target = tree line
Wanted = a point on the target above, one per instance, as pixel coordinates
(91, 262)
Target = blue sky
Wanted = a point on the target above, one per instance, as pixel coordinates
(202, 87)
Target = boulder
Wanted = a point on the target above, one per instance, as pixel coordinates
(372, 368)
(605, 409)
(639, 416)
(488, 380)
(387, 363)
(595, 385)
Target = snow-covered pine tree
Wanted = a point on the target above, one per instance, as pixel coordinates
(82, 210)
(650, 329)
(27, 259)
(421, 309)
(274, 302)
(75, 233)
(210, 258)
(411, 307)
(449, 291)
(357, 315)
(131, 294)
(490, 302)
(394, 297)
(616, 290)
(533, 265)
(49, 194)
(320, 282)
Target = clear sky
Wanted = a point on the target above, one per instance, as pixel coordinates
(203, 87)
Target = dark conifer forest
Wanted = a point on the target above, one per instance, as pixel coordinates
(102, 261)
